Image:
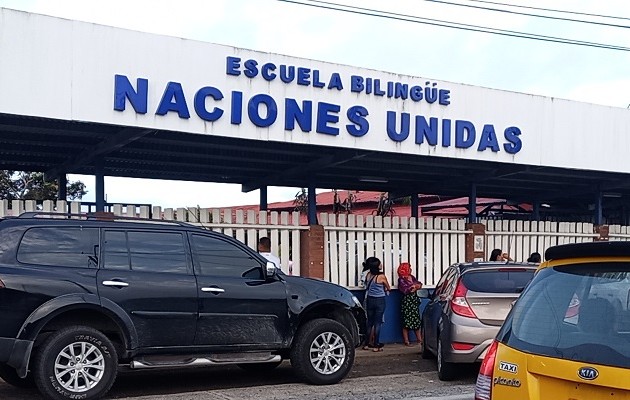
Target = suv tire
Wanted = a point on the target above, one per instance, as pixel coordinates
(446, 370)
(10, 376)
(330, 344)
(70, 346)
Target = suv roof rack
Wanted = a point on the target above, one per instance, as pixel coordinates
(101, 216)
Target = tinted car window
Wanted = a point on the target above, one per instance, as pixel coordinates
(562, 314)
(145, 251)
(157, 251)
(503, 281)
(213, 256)
(60, 246)
(444, 282)
(115, 250)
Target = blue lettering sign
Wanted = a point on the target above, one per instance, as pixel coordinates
(356, 115)
(266, 71)
(446, 133)
(303, 76)
(327, 114)
(299, 113)
(428, 130)
(173, 99)
(233, 65)
(237, 108)
(404, 126)
(464, 134)
(488, 139)
(123, 91)
(293, 114)
(200, 103)
(251, 68)
(512, 134)
(253, 110)
(316, 82)
(335, 82)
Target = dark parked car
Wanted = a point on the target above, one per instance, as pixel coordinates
(466, 310)
(81, 297)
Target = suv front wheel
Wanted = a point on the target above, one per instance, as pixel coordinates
(77, 362)
(322, 352)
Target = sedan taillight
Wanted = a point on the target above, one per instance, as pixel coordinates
(483, 388)
(459, 304)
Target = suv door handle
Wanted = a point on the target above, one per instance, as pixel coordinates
(115, 283)
(212, 289)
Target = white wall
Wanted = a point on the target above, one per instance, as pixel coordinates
(64, 69)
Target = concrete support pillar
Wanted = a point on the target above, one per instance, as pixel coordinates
(312, 252)
(476, 243)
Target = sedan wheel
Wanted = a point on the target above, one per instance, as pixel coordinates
(446, 370)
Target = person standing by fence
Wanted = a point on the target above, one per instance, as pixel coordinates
(264, 248)
(410, 304)
(534, 258)
(499, 255)
(377, 287)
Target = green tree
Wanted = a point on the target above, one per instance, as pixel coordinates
(16, 185)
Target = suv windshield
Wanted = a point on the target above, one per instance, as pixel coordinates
(576, 312)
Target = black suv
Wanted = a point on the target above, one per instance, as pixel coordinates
(81, 297)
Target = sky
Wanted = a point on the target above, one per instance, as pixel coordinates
(571, 72)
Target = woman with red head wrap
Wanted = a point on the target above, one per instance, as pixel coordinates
(410, 305)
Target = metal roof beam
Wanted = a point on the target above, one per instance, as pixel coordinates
(115, 142)
(320, 163)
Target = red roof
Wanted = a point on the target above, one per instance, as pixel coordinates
(365, 203)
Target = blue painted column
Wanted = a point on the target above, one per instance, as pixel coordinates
(472, 204)
(263, 198)
(536, 211)
(312, 205)
(62, 193)
(99, 175)
(414, 205)
(598, 209)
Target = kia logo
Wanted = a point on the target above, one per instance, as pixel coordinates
(588, 373)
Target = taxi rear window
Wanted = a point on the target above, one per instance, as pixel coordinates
(578, 312)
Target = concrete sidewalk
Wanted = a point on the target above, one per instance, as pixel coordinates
(390, 349)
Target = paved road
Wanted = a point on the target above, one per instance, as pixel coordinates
(396, 373)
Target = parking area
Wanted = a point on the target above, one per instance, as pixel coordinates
(396, 373)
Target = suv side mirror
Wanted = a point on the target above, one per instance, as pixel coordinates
(423, 293)
(271, 269)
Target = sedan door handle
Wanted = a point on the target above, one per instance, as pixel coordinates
(212, 289)
(115, 283)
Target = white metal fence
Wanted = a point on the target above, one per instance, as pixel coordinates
(430, 245)
(618, 232)
(282, 228)
(521, 238)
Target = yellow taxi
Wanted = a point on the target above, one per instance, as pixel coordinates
(568, 335)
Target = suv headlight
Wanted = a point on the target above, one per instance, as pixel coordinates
(356, 301)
